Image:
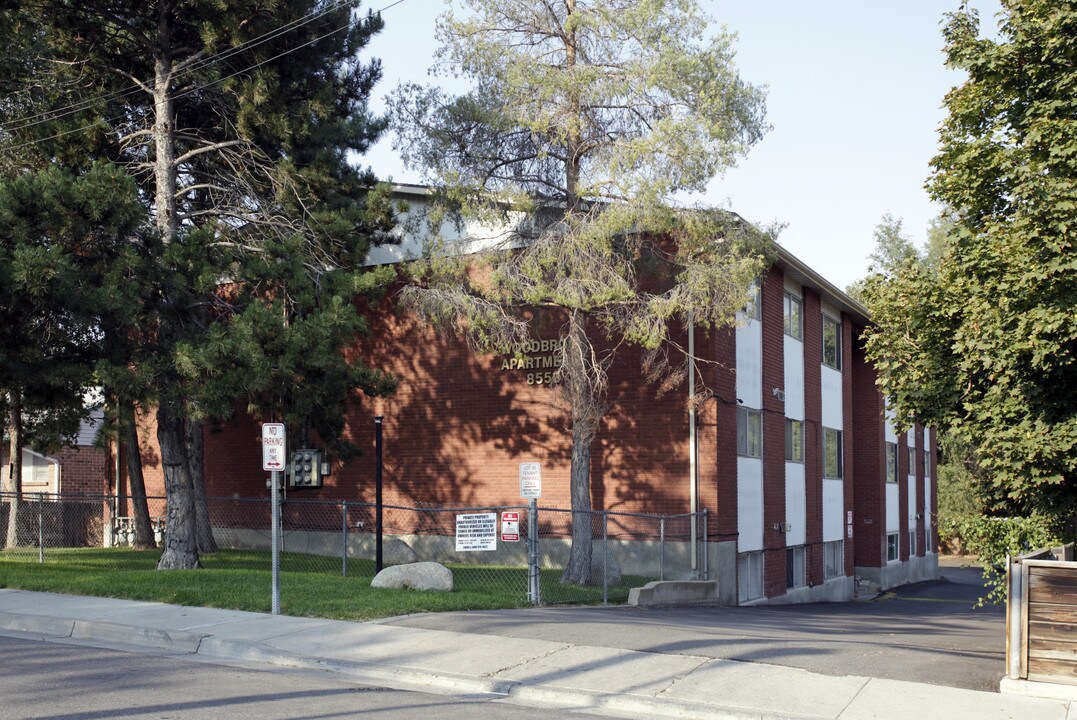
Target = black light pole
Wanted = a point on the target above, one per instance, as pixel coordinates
(377, 493)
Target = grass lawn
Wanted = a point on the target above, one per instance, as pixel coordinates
(310, 585)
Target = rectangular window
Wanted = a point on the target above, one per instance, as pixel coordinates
(794, 441)
(912, 541)
(833, 559)
(794, 316)
(831, 342)
(892, 547)
(891, 462)
(912, 460)
(794, 567)
(927, 539)
(749, 576)
(749, 432)
(831, 453)
(927, 463)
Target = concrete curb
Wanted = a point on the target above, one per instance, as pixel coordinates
(215, 648)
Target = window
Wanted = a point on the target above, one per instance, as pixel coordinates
(891, 547)
(833, 559)
(927, 538)
(927, 463)
(794, 567)
(749, 432)
(831, 453)
(794, 441)
(831, 342)
(750, 576)
(891, 462)
(912, 541)
(794, 316)
(912, 460)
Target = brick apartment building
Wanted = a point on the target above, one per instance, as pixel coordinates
(806, 483)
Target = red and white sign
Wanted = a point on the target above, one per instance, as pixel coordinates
(274, 450)
(510, 526)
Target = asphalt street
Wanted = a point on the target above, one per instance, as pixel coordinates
(61, 681)
(928, 632)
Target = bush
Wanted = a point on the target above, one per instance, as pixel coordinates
(995, 538)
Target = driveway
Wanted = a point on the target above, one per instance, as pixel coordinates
(928, 632)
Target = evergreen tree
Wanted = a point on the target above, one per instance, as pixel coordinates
(587, 117)
(236, 119)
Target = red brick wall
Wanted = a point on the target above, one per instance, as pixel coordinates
(869, 464)
(83, 470)
(848, 439)
(813, 439)
(458, 426)
(774, 580)
(724, 472)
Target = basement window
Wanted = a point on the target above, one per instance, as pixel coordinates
(749, 576)
(794, 567)
(834, 559)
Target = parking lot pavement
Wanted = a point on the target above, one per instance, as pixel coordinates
(928, 632)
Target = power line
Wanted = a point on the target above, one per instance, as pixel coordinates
(32, 120)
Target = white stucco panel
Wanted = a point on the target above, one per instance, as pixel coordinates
(750, 363)
(831, 398)
(796, 513)
(893, 523)
(749, 504)
(833, 510)
(912, 501)
(794, 378)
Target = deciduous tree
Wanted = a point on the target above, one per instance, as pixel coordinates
(986, 343)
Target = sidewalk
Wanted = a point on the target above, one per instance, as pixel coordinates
(622, 683)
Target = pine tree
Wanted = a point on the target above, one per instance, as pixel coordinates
(236, 119)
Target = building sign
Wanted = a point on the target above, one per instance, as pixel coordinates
(273, 447)
(539, 359)
(530, 480)
(510, 526)
(476, 532)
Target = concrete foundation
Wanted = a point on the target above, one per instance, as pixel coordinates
(913, 570)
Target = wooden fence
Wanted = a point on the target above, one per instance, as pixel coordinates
(1041, 617)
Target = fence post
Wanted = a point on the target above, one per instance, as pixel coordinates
(40, 530)
(605, 558)
(706, 567)
(661, 548)
(344, 538)
(534, 583)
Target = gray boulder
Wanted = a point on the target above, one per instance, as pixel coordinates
(398, 552)
(415, 576)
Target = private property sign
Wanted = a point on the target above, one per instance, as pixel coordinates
(273, 447)
(476, 531)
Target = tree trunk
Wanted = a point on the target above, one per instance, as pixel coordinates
(583, 388)
(144, 538)
(578, 569)
(14, 486)
(193, 439)
(181, 548)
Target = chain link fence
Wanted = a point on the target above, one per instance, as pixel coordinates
(523, 559)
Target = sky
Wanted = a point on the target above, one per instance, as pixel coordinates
(855, 91)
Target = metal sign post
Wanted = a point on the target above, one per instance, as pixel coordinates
(531, 490)
(274, 453)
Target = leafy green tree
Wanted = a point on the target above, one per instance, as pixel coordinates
(236, 119)
(985, 344)
(586, 119)
(893, 248)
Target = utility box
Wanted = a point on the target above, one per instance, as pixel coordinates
(306, 468)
